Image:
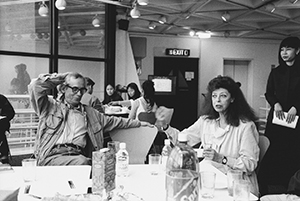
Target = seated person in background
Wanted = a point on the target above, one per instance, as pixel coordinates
(144, 108)
(111, 95)
(293, 191)
(7, 112)
(68, 131)
(89, 99)
(228, 126)
(133, 93)
(145, 103)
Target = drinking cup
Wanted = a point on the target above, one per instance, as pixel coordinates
(233, 175)
(154, 162)
(241, 190)
(207, 186)
(29, 169)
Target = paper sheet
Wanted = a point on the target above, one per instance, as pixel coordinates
(283, 122)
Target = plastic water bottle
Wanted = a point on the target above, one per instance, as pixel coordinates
(182, 172)
(165, 153)
(122, 161)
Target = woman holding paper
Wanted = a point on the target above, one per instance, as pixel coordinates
(282, 159)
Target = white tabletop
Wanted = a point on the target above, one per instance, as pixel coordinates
(139, 182)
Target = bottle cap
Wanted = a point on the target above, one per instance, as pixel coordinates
(167, 142)
(122, 145)
(182, 137)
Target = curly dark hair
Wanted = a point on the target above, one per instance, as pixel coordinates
(148, 87)
(238, 110)
(135, 87)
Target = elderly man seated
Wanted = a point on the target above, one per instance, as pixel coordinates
(69, 131)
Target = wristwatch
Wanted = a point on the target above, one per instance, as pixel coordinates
(224, 160)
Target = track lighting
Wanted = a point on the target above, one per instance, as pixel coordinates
(60, 4)
(43, 10)
(225, 17)
(226, 34)
(143, 2)
(135, 13)
(151, 25)
(162, 19)
(270, 7)
(82, 32)
(96, 21)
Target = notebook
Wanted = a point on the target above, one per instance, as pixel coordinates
(283, 122)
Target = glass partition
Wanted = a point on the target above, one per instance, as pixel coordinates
(81, 29)
(24, 26)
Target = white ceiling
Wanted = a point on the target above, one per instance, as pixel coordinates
(248, 18)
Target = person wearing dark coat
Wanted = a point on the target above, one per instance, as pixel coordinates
(7, 112)
(282, 159)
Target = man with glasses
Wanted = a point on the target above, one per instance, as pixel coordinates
(68, 131)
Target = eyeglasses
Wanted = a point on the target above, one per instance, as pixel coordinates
(76, 89)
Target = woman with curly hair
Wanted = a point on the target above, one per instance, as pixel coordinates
(228, 126)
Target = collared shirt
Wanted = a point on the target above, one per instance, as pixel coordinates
(75, 128)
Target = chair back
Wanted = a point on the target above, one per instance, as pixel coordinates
(138, 141)
(263, 144)
(147, 117)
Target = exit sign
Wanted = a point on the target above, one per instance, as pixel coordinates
(177, 52)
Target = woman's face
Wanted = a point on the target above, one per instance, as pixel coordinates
(288, 54)
(109, 90)
(221, 99)
(130, 92)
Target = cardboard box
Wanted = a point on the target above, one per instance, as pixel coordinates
(103, 171)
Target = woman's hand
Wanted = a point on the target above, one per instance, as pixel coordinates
(211, 154)
(291, 115)
(278, 111)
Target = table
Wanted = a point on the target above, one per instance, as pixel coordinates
(139, 182)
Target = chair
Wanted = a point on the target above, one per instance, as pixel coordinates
(138, 141)
(263, 145)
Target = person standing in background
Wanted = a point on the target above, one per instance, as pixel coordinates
(7, 112)
(281, 160)
(89, 99)
(23, 77)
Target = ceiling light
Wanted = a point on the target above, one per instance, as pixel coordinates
(151, 25)
(293, 1)
(96, 21)
(43, 10)
(58, 25)
(270, 7)
(143, 2)
(225, 17)
(60, 4)
(162, 19)
(201, 34)
(192, 33)
(135, 13)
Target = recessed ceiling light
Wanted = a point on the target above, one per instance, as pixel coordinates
(225, 17)
(60, 4)
(151, 25)
(43, 10)
(162, 19)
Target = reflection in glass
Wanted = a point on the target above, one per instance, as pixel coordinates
(22, 28)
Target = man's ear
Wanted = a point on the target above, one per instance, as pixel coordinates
(63, 88)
